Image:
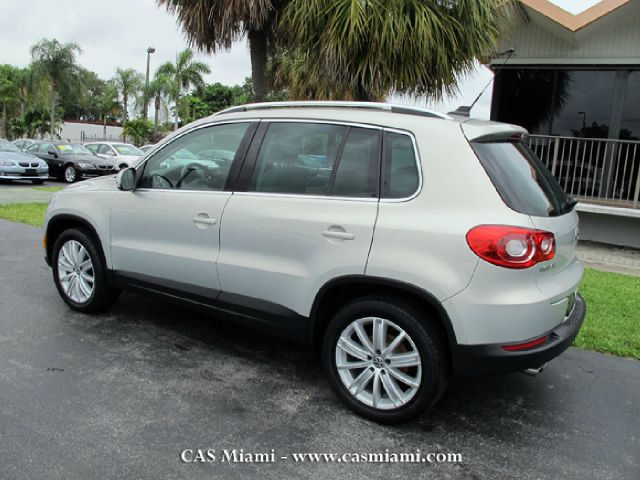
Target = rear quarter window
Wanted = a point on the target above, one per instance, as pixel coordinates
(401, 178)
(523, 182)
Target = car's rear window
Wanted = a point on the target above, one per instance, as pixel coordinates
(522, 180)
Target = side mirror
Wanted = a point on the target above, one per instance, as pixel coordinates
(53, 152)
(126, 179)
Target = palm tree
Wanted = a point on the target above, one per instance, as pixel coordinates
(367, 49)
(185, 73)
(25, 84)
(139, 130)
(57, 62)
(159, 88)
(108, 104)
(214, 24)
(129, 82)
(9, 91)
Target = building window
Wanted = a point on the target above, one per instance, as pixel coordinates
(572, 103)
(630, 129)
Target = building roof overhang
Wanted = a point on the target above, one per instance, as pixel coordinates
(606, 14)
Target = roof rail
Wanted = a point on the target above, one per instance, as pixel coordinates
(388, 107)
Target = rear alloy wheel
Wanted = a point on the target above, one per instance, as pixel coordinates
(70, 174)
(387, 361)
(383, 360)
(79, 272)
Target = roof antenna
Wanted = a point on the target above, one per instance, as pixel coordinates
(465, 111)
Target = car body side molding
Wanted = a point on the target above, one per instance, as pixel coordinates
(254, 313)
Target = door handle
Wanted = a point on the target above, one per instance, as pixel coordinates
(202, 220)
(338, 234)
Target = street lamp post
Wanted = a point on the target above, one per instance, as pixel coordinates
(150, 50)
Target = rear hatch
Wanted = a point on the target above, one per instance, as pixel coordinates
(527, 186)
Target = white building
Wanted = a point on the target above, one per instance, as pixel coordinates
(89, 132)
(573, 81)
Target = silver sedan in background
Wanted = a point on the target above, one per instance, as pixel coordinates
(17, 165)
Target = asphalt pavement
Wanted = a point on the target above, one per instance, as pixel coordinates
(120, 395)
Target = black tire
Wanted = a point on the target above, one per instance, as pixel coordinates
(103, 294)
(124, 166)
(429, 344)
(37, 182)
(69, 178)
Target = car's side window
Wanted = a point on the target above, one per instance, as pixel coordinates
(46, 147)
(297, 158)
(198, 160)
(104, 149)
(317, 159)
(401, 176)
(358, 169)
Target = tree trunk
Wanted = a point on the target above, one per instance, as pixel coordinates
(157, 115)
(4, 121)
(104, 127)
(175, 120)
(362, 94)
(258, 51)
(54, 94)
(125, 101)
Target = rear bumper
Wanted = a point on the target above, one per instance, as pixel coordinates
(482, 360)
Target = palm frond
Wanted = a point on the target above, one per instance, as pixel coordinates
(368, 48)
(213, 24)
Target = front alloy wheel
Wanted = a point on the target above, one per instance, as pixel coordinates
(75, 272)
(79, 271)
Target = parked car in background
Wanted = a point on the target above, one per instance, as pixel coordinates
(17, 165)
(71, 161)
(24, 143)
(407, 245)
(124, 155)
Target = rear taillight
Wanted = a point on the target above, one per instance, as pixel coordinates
(511, 247)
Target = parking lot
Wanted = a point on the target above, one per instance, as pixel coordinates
(120, 395)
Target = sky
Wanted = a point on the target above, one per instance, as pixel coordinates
(117, 33)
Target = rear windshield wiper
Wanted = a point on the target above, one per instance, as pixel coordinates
(568, 204)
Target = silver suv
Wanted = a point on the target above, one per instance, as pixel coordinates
(408, 246)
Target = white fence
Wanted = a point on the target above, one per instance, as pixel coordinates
(593, 169)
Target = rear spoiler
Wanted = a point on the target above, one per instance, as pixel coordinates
(482, 131)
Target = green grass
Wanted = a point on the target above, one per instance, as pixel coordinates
(49, 189)
(613, 314)
(613, 300)
(30, 213)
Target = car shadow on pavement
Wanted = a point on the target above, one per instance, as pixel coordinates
(483, 406)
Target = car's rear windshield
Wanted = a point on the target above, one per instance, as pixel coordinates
(522, 180)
